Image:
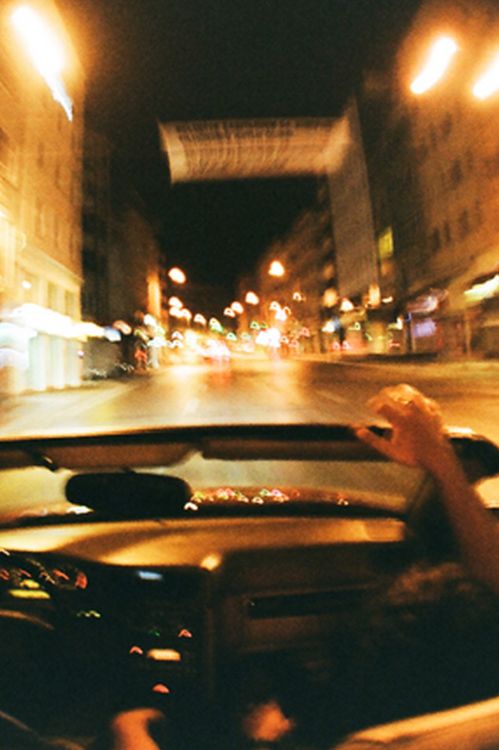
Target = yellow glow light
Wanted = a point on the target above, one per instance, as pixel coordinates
(346, 305)
(45, 51)
(177, 275)
(488, 83)
(439, 59)
(276, 268)
(251, 298)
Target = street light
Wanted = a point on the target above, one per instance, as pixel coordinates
(276, 269)
(177, 275)
(46, 51)
(237, 307)
(251, 298)
(439, 59)
(488, 83)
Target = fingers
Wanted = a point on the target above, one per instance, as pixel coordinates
(375, 441)
(402, 402)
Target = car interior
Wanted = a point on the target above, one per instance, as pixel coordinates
(146, 591)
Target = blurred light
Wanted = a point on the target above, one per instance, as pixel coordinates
(111, 334)
(26, 284)
(281, 314)
(274, 305)
(211, 561)
(330, 297)
(175, 302)
(276, 268)
(229, 312)
(374, 297)
(237, 307)
(439, 59)
(46, 52)
(198, 318)
(185, 313)
(298, 297)
(346, 305)
(149, 320)
(164, 654)
(160, 687)
(136, 650)
(251, 298)
(215, 325)
(330, 326)
(177, 275)
(488, 83)
(484, 290)
(123, 327)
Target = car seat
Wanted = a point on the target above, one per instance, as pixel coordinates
(471, 727)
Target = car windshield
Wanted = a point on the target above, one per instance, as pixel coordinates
(244, 213)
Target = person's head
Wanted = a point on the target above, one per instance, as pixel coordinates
(432, 643)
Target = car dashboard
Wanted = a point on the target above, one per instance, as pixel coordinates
(169, 612)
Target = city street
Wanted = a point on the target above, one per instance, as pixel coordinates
(256, 390)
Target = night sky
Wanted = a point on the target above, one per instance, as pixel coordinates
(165, 60)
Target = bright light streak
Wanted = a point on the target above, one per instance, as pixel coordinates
(439, 59)
(276, 268)
(46, 52)
(488, 83)
(346, 305)
(281, 314)
(177, 275)
(486, 289)
(251, 298)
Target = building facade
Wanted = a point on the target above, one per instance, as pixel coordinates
(41, 132)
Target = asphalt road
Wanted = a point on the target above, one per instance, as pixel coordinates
(255, 390)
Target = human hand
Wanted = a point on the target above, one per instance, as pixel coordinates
(130, 729)
(418, 435)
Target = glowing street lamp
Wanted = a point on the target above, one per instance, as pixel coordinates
(276, 269)
(177, 275)
(437, 64)
(488, 83)
(346, 305)
(46, 51)
(237, 307)
(251, 298)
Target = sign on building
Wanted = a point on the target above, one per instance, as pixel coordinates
(244, 149)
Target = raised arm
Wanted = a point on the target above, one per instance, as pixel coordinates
(419, 439)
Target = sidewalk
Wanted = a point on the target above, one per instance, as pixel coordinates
(410, 364)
